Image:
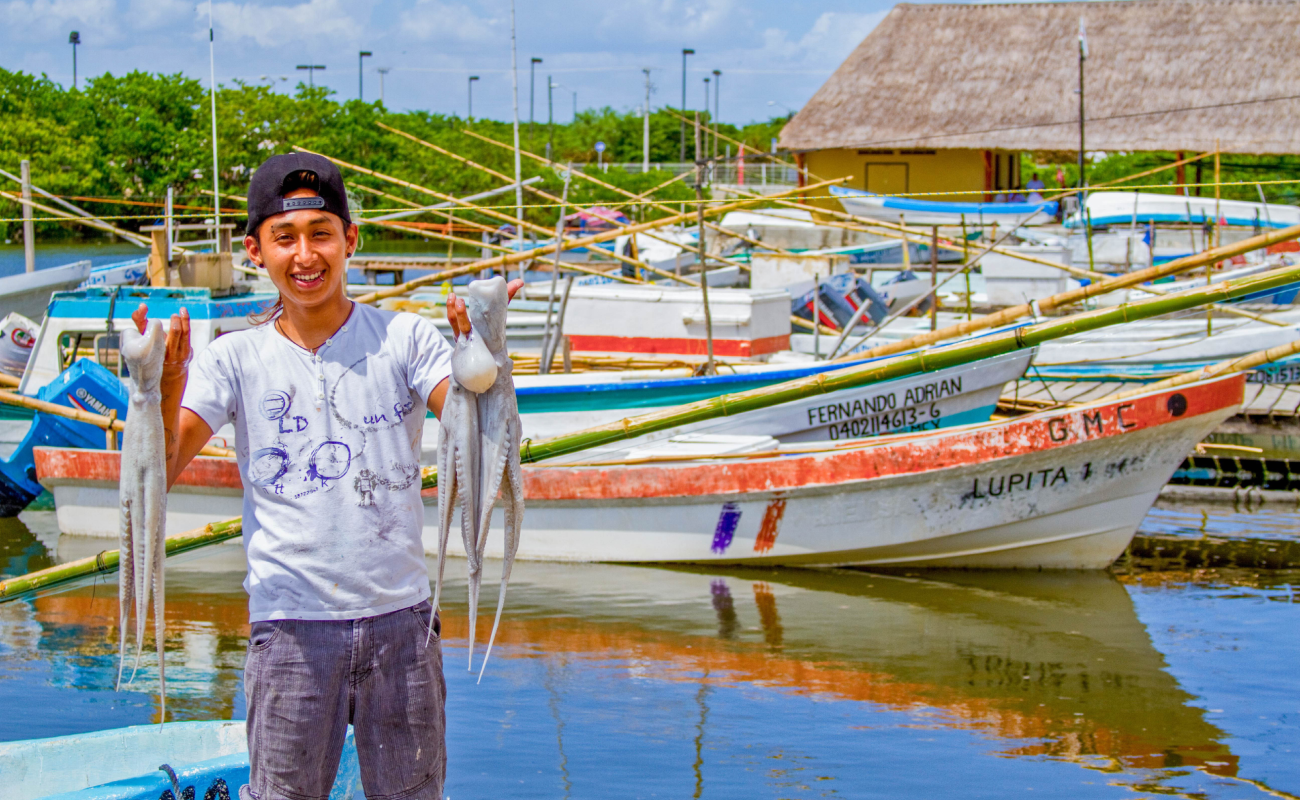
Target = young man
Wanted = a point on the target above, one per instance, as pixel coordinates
(328, 401)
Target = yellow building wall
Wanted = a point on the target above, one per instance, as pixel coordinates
(946, 172)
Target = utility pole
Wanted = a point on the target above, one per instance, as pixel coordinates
(74, 39)
(29, 229)
(311, 73)
(686, 51)
(470, 116)
(645, 126)
(532, 86)
(361, 81)
(1083, 56)
(705, 152)
(514, 101)
(700, 165)
(717, 92)
(550, 117)
(382, 72)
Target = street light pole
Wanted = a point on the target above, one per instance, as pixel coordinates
(382, 72)
(645, 128)
(311, 73)
(686, 51)
(470, 116)
(550, 117)
(361, 66)
(532, 86)
(74, 39)
(702, 148)
(717, 92)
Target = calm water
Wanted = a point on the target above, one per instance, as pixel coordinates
(613, 681)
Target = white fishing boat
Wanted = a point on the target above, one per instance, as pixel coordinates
(1056, 490)
(29, 293)
(1128, 208)
(206, 760)
(929, 212)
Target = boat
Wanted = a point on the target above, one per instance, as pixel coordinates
(930, 212)
(207, 759)
(1054, 490)
(29, 293)
(84, 386)
(1128, 208)
(120, 273)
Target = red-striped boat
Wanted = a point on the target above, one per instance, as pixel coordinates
(1061, 489)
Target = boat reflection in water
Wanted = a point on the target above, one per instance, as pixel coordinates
(711, 683)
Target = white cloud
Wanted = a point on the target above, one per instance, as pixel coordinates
(431, 20)
(276, 26)
(39, 19)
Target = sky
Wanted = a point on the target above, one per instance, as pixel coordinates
(773, 54)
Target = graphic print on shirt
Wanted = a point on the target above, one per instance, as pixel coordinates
(378, 377)
(296, 463)
(366, 482)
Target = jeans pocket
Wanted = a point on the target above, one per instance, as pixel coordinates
(423, 611)
(263, 634)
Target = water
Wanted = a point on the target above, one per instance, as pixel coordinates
(615, 681)
(13, 260)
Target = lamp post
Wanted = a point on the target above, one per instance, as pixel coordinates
(789, 111)
(645, 127)
(702, 148)
(470, 117)
(532, 84)
(311, 73)
(74, 39)
(382, 72)
(361, 66)
(686, 51)
(550, 117)
(717, 92)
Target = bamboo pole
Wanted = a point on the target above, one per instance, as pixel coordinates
(925, 360)
(1241, 364)
(98, 420)
(9, 380)
(518, 223)
(503, 261)
(92, 222)
(632, 196)
(727, 405)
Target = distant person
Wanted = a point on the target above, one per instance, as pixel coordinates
(1035, 187)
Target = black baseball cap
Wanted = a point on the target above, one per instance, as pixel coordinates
(268, 187)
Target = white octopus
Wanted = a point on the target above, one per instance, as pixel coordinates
(143, 493)
(478, 452)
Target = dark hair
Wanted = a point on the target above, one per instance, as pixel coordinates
(302, 179)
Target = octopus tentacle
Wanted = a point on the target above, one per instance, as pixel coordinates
(125, 583)
(512, 495)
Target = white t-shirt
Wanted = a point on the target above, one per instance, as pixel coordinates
(329, 452)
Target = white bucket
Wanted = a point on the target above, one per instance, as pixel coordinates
(17, 338)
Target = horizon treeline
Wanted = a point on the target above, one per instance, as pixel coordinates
(117, 143)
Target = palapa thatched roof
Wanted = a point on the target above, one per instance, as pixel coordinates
(1004, 77)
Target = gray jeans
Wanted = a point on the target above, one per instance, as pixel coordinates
(306, 680)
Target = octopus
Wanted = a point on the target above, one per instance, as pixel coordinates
(143, 498)
(478, 448)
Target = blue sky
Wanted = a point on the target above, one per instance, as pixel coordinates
(768, 50)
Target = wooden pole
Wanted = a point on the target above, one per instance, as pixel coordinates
(108, 423)
(934, 278)
(728, 405)
(700, 165)
(571, 244)
(29, 229)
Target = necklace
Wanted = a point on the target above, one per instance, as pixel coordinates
(280, 328)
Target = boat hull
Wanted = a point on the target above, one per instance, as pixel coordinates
(925, 212)
(1052, 491)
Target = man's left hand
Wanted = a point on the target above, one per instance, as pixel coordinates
(458, 315)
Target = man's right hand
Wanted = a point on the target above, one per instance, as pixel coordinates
(177, 358)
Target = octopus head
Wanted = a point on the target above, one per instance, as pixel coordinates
(486, 304)
(144, 354)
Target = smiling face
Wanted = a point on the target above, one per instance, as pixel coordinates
(305, 255)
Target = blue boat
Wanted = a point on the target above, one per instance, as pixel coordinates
(929, 212)
(84, 386)
(187, 760)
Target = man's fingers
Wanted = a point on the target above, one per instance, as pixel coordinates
(514, 286)
(140, 317)
(452, 318)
